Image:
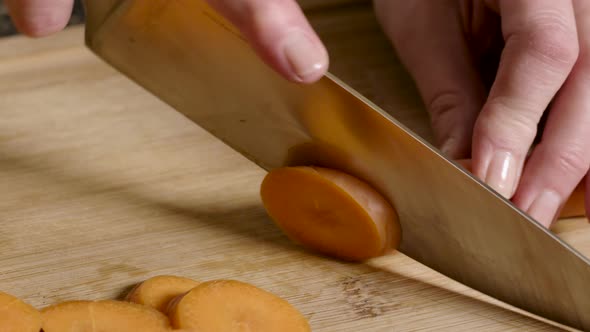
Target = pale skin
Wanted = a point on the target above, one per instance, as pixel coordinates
(539, 50)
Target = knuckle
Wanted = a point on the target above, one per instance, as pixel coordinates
(444, 108)
(573, 160)
(444, 104)
(506, 126)
(451, 119)
(554, 41)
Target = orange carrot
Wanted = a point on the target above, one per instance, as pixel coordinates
(103, 316)
(157, 291)
(18, 316)
(574, 205)
(229, 305)
(331, 212)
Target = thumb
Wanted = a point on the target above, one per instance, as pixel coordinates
(429, 39)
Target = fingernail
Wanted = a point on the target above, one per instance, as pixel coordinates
(544, 207)
(305, 58)
(501, 174)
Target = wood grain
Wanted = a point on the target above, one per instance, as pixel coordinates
(102, 186)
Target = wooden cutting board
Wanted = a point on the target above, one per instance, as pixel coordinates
(102, 186)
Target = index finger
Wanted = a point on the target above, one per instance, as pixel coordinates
(541, 47)
(280, 34)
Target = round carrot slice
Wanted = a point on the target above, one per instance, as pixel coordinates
(229, 305)
(106, 315)
(331, 212)
(157, 291)
(18, 316)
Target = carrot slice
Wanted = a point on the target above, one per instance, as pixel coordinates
(18, 316)
(103, 316)
(229, 305)
(157, 291)
(330, 212)
(67, 316)
(573, 207)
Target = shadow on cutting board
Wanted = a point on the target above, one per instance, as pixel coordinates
(368, 290)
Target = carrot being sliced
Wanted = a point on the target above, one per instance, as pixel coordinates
(18, 316)
(330, 212)
(574, 206)
(229, 305)
(103, 316)
(157, 291)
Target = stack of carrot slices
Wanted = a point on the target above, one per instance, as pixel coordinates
(161, 304)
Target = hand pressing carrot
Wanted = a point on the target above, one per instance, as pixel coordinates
(158, 291)
(573, 206)
(229, 305)
(103, 316)
(330, 212)
(18, 316)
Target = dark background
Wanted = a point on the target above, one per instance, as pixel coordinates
(7, 28)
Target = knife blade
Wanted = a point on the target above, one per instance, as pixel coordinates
(190, 57)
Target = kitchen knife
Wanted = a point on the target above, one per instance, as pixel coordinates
(186, 54)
